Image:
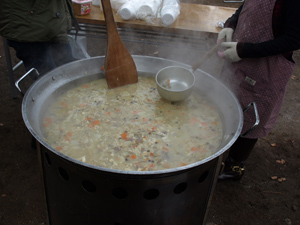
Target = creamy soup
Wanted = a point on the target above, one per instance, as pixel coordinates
(131, 127)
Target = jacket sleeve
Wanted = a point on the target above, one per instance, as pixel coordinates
(286, 42)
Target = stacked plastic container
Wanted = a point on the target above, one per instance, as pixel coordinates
(169, 12)
(147, 10)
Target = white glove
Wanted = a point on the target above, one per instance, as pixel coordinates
(226, 34)
(230, 52)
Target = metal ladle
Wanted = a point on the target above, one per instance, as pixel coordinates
(175, 83)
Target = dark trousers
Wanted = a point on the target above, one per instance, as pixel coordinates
(43, 56)
(241, 150)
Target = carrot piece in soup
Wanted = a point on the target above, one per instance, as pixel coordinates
(124, 136)
(67, 138)
(47, 122)
(194, 121)
(164, 148)
(95, 122)
(136, 112)
(64, 104)
(82, 105)
(59, 148)
(166, 166)
(194, 149)
(133, 156)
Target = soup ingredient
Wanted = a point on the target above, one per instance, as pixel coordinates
(167, 84)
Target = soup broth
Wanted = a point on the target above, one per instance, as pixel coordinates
(131, 127)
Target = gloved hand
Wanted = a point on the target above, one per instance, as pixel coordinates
(230, 52)
(226, 34)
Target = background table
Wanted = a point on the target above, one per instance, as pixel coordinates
(192, 17)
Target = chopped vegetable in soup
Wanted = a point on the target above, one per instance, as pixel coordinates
(131, 127)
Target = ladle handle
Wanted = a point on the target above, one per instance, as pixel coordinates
(206, 56)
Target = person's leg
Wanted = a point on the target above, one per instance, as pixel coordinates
(34, 55)
(238, 154)
(242, 148)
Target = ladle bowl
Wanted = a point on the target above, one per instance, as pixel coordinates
(175, 83)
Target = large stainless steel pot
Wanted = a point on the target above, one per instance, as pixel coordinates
(79, 193)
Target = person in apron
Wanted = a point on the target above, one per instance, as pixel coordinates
(258, 44)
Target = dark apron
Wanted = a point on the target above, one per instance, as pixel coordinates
(260, 80)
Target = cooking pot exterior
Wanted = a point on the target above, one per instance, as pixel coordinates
(79, 193)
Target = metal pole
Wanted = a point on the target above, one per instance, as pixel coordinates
(10, 68)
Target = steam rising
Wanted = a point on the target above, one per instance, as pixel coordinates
(187, 48)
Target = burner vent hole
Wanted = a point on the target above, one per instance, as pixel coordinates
(151, 194)
(203, 177)
(88, 186)
(119, 193)
(64, 175)
(48, 159)
(180, 188)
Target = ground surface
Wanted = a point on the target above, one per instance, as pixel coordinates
(256, 200)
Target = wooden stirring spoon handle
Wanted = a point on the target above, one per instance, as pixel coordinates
(119, 67)
(111, 27)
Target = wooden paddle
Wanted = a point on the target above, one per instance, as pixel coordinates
(119, 66)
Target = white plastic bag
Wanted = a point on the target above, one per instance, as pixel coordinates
(78, 46)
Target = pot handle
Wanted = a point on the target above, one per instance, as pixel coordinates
(25, 75)
(256, 117)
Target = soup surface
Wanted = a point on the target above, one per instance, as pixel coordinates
(131, 127)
